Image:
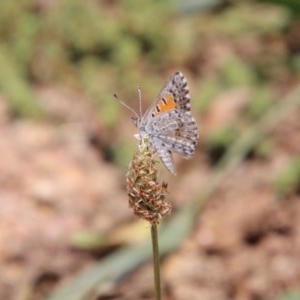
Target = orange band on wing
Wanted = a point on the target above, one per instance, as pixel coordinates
(164, 104)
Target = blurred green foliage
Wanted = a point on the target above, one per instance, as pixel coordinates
(235, 72)
(219, 141)
(88, 240)
(205, 92)
(261, 103)
(287, 181)
(292, 5)
(247, 17)
(263, 150)
(294, 295)
(104, 47)
(123, 153)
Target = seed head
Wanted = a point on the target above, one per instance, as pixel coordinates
(147, 196)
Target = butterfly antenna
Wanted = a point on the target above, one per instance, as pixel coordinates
(140, 100)
(124, 104)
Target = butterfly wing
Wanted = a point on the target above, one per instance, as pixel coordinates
(174, 95)
(169, 124)
(177, 87)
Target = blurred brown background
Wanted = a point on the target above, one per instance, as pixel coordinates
(65, 145)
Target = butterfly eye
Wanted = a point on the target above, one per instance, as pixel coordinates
(135, 121)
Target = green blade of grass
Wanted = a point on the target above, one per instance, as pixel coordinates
(118, 264)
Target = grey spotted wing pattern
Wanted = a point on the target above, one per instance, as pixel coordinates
(169, 124)
(175, 131)
(178, 88)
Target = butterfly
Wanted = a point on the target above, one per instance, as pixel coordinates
(168, 125)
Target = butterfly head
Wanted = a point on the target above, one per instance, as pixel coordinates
(136, 121)
(142, 136)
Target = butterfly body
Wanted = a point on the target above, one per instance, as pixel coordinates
(168, 125)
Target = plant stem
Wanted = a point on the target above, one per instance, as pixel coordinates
(156, 261)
